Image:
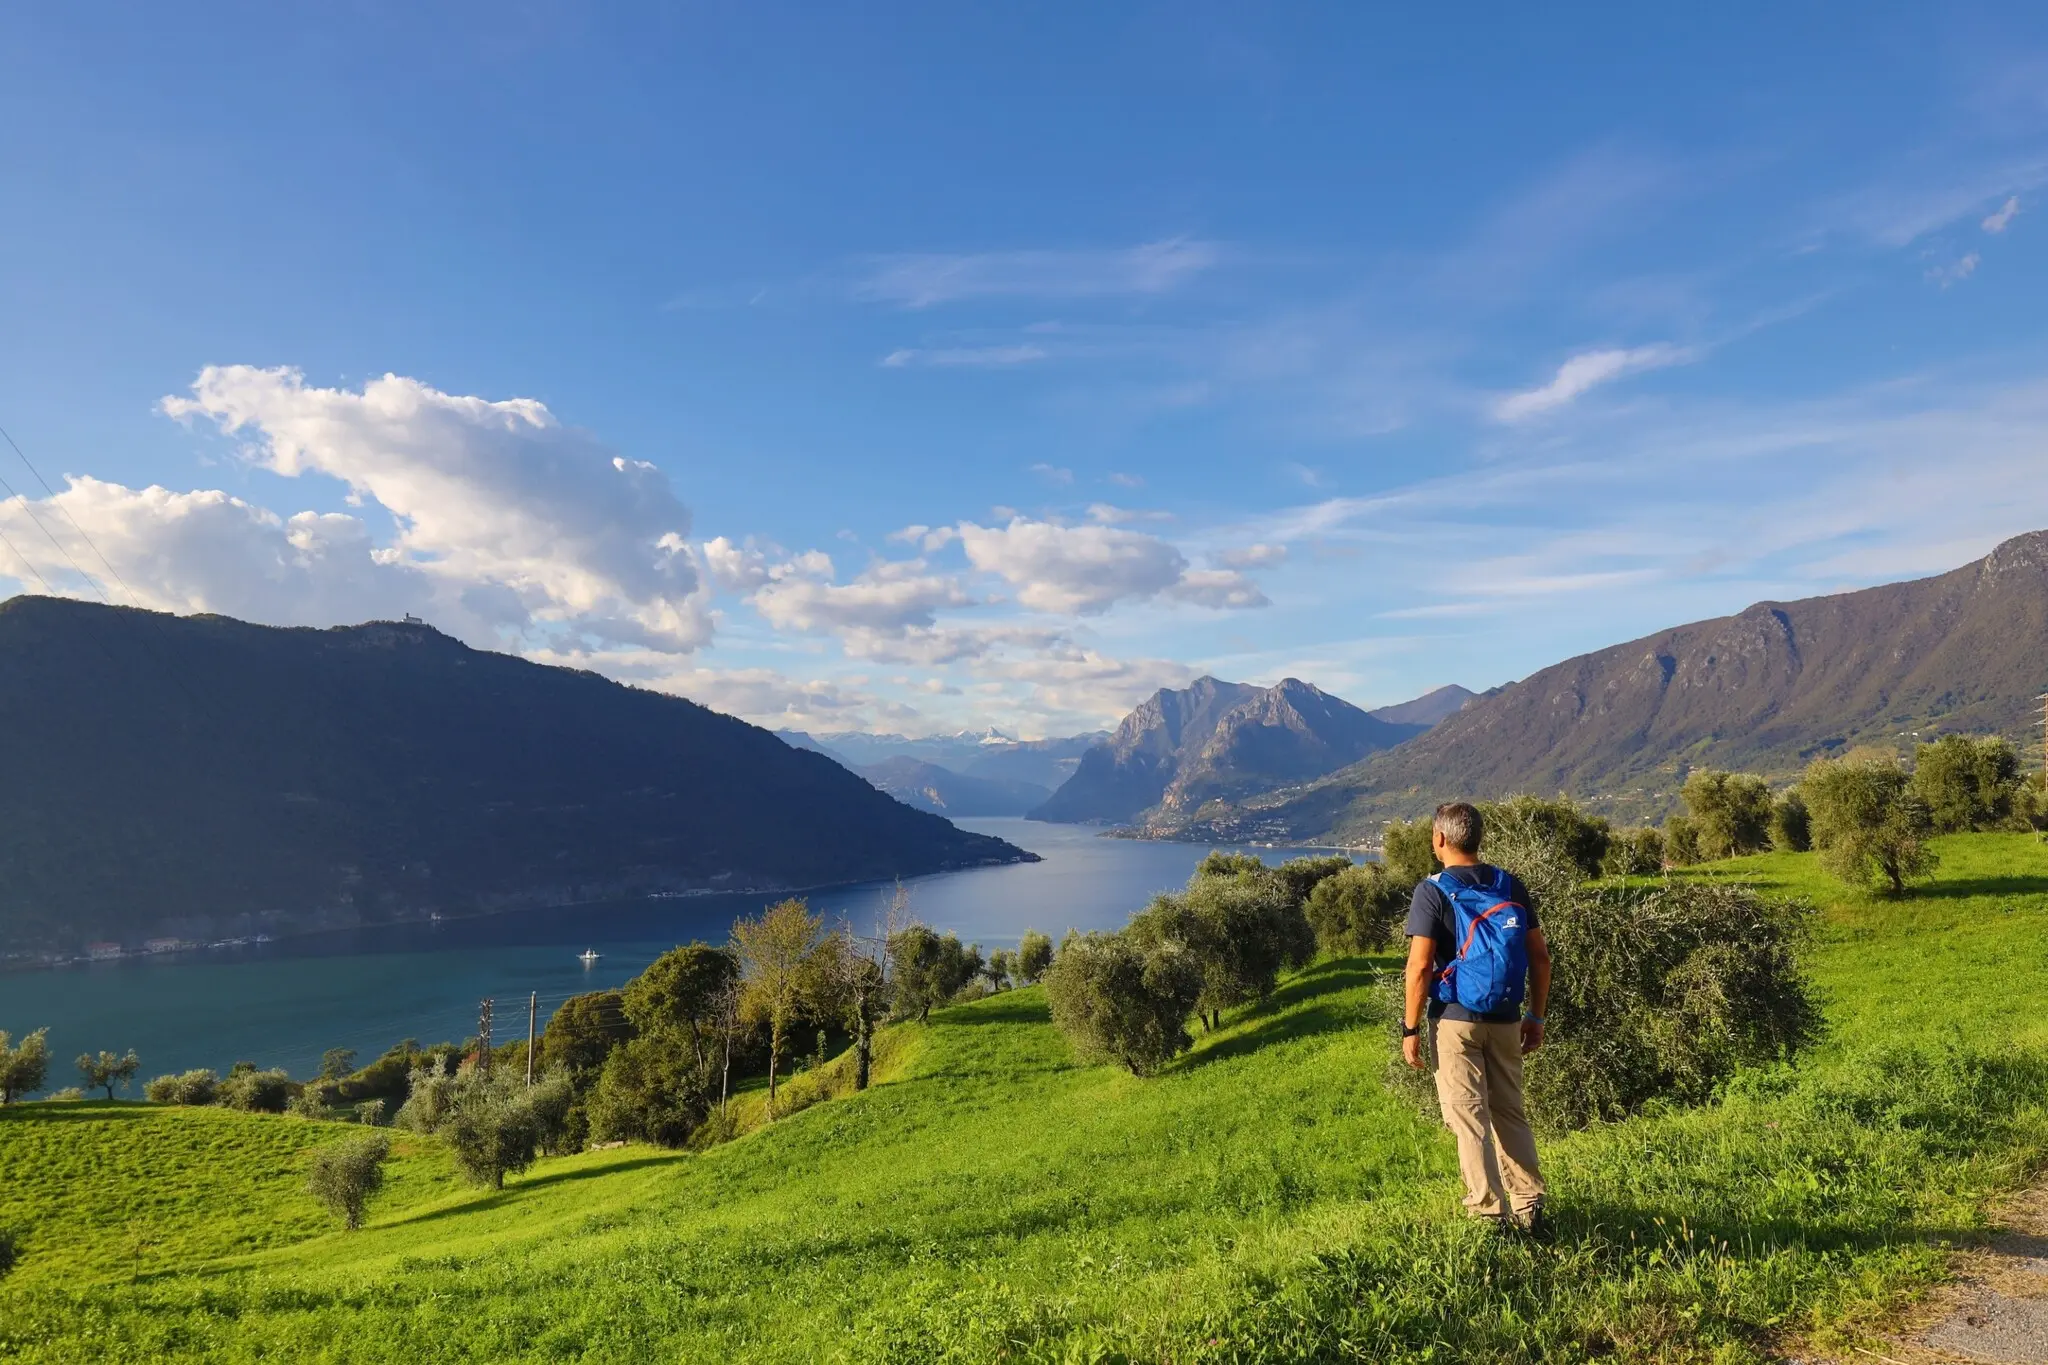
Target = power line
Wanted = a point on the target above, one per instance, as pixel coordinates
(116, 573)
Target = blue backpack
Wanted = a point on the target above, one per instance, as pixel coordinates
(1491, 969)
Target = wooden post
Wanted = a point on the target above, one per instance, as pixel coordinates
(532, 1009)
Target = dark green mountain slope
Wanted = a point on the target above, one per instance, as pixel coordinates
(202, 776)
(1763, 691)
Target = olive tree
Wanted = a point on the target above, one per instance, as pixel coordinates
(1357, 910)
(1791, 824)
(256, 1091)
(1634, 853)
(1868, 821)
(929, 968)
(1558, 827)
(1731, 812)
(999, 969)
(105, 1070)
(1034, 955)
(1118, 1001)
(1669, 988)
(1681, 841)
(345, 1174)
(24, 1066)
(1406, 853)
(197, 1086)
(1966, 783)
(1242, 928)
(1303, 875)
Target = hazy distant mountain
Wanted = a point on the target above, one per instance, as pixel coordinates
(942, 791)
(1212, 739)
(1431, 708)
(200, 776)
(986, 754)
(1763, 691)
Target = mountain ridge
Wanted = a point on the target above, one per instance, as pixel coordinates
(198, 776)
(1763, 690)
(1183, 747)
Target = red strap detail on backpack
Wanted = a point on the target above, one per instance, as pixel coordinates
(1472, 932)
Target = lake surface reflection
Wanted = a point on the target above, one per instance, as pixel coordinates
(282, 1004)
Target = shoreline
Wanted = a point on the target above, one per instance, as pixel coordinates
(29, 960)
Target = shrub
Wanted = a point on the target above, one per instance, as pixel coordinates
(24, 1065)
(1966, 783)
(1867, 821)
(337, 1062)
(1034, 955)
(1557, 826)
(345, 1174)
(1116, 1001)
(258, 1092)
(1731, 812)
(1303, 875)
(1681, 842)
(1358, 910)
(652, 1089)
(488, 1120)
(1791, 824)
(1665, 991)
(369, 1112)
(1634, 853)
(69, 1092)
(197, 1086)
(1241, 927)
(311, 1102)
(1405, 851)
(10, 1251)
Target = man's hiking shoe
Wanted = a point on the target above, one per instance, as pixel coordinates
(1535, 1225)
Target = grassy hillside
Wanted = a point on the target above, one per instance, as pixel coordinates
(1268, 1198)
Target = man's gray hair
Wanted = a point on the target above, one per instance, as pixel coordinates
(1459, 823)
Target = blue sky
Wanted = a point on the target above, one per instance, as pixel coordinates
(928, 367)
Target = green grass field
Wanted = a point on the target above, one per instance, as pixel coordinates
(1269, 1197)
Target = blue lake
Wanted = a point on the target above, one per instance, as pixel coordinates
(282, 1004)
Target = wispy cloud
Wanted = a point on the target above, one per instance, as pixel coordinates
(965, 356)
(927, 279)
(1053, 474)
(1587, 370)
(2001, 220)
(1955, 272)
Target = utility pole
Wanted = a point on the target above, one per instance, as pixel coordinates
(483, 1038)
(532, 1009)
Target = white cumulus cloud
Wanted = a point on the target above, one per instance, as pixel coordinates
(540, 519)
(1084, 570)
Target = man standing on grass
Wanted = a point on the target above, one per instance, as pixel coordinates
(1473, 948)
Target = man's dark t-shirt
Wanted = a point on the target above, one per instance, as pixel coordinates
(1430, 916)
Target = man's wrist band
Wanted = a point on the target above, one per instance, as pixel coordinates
(1411, 1030)
(1536, 1019)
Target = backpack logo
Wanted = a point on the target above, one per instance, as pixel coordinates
(1491, 971)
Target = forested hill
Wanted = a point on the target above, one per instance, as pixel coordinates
(1763, 691)
(200, 776)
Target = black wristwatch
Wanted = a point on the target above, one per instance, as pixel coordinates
(1411, 1030)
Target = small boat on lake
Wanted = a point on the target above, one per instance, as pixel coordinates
(587, 956)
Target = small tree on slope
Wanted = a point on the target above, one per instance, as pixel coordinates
(23, 1066)
(104, 1070)
(345, 1174)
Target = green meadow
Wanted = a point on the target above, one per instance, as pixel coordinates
(1270, 1196)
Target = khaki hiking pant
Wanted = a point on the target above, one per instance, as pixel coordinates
(1479, 1086)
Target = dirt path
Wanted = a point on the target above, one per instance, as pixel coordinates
(1996, 1312)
